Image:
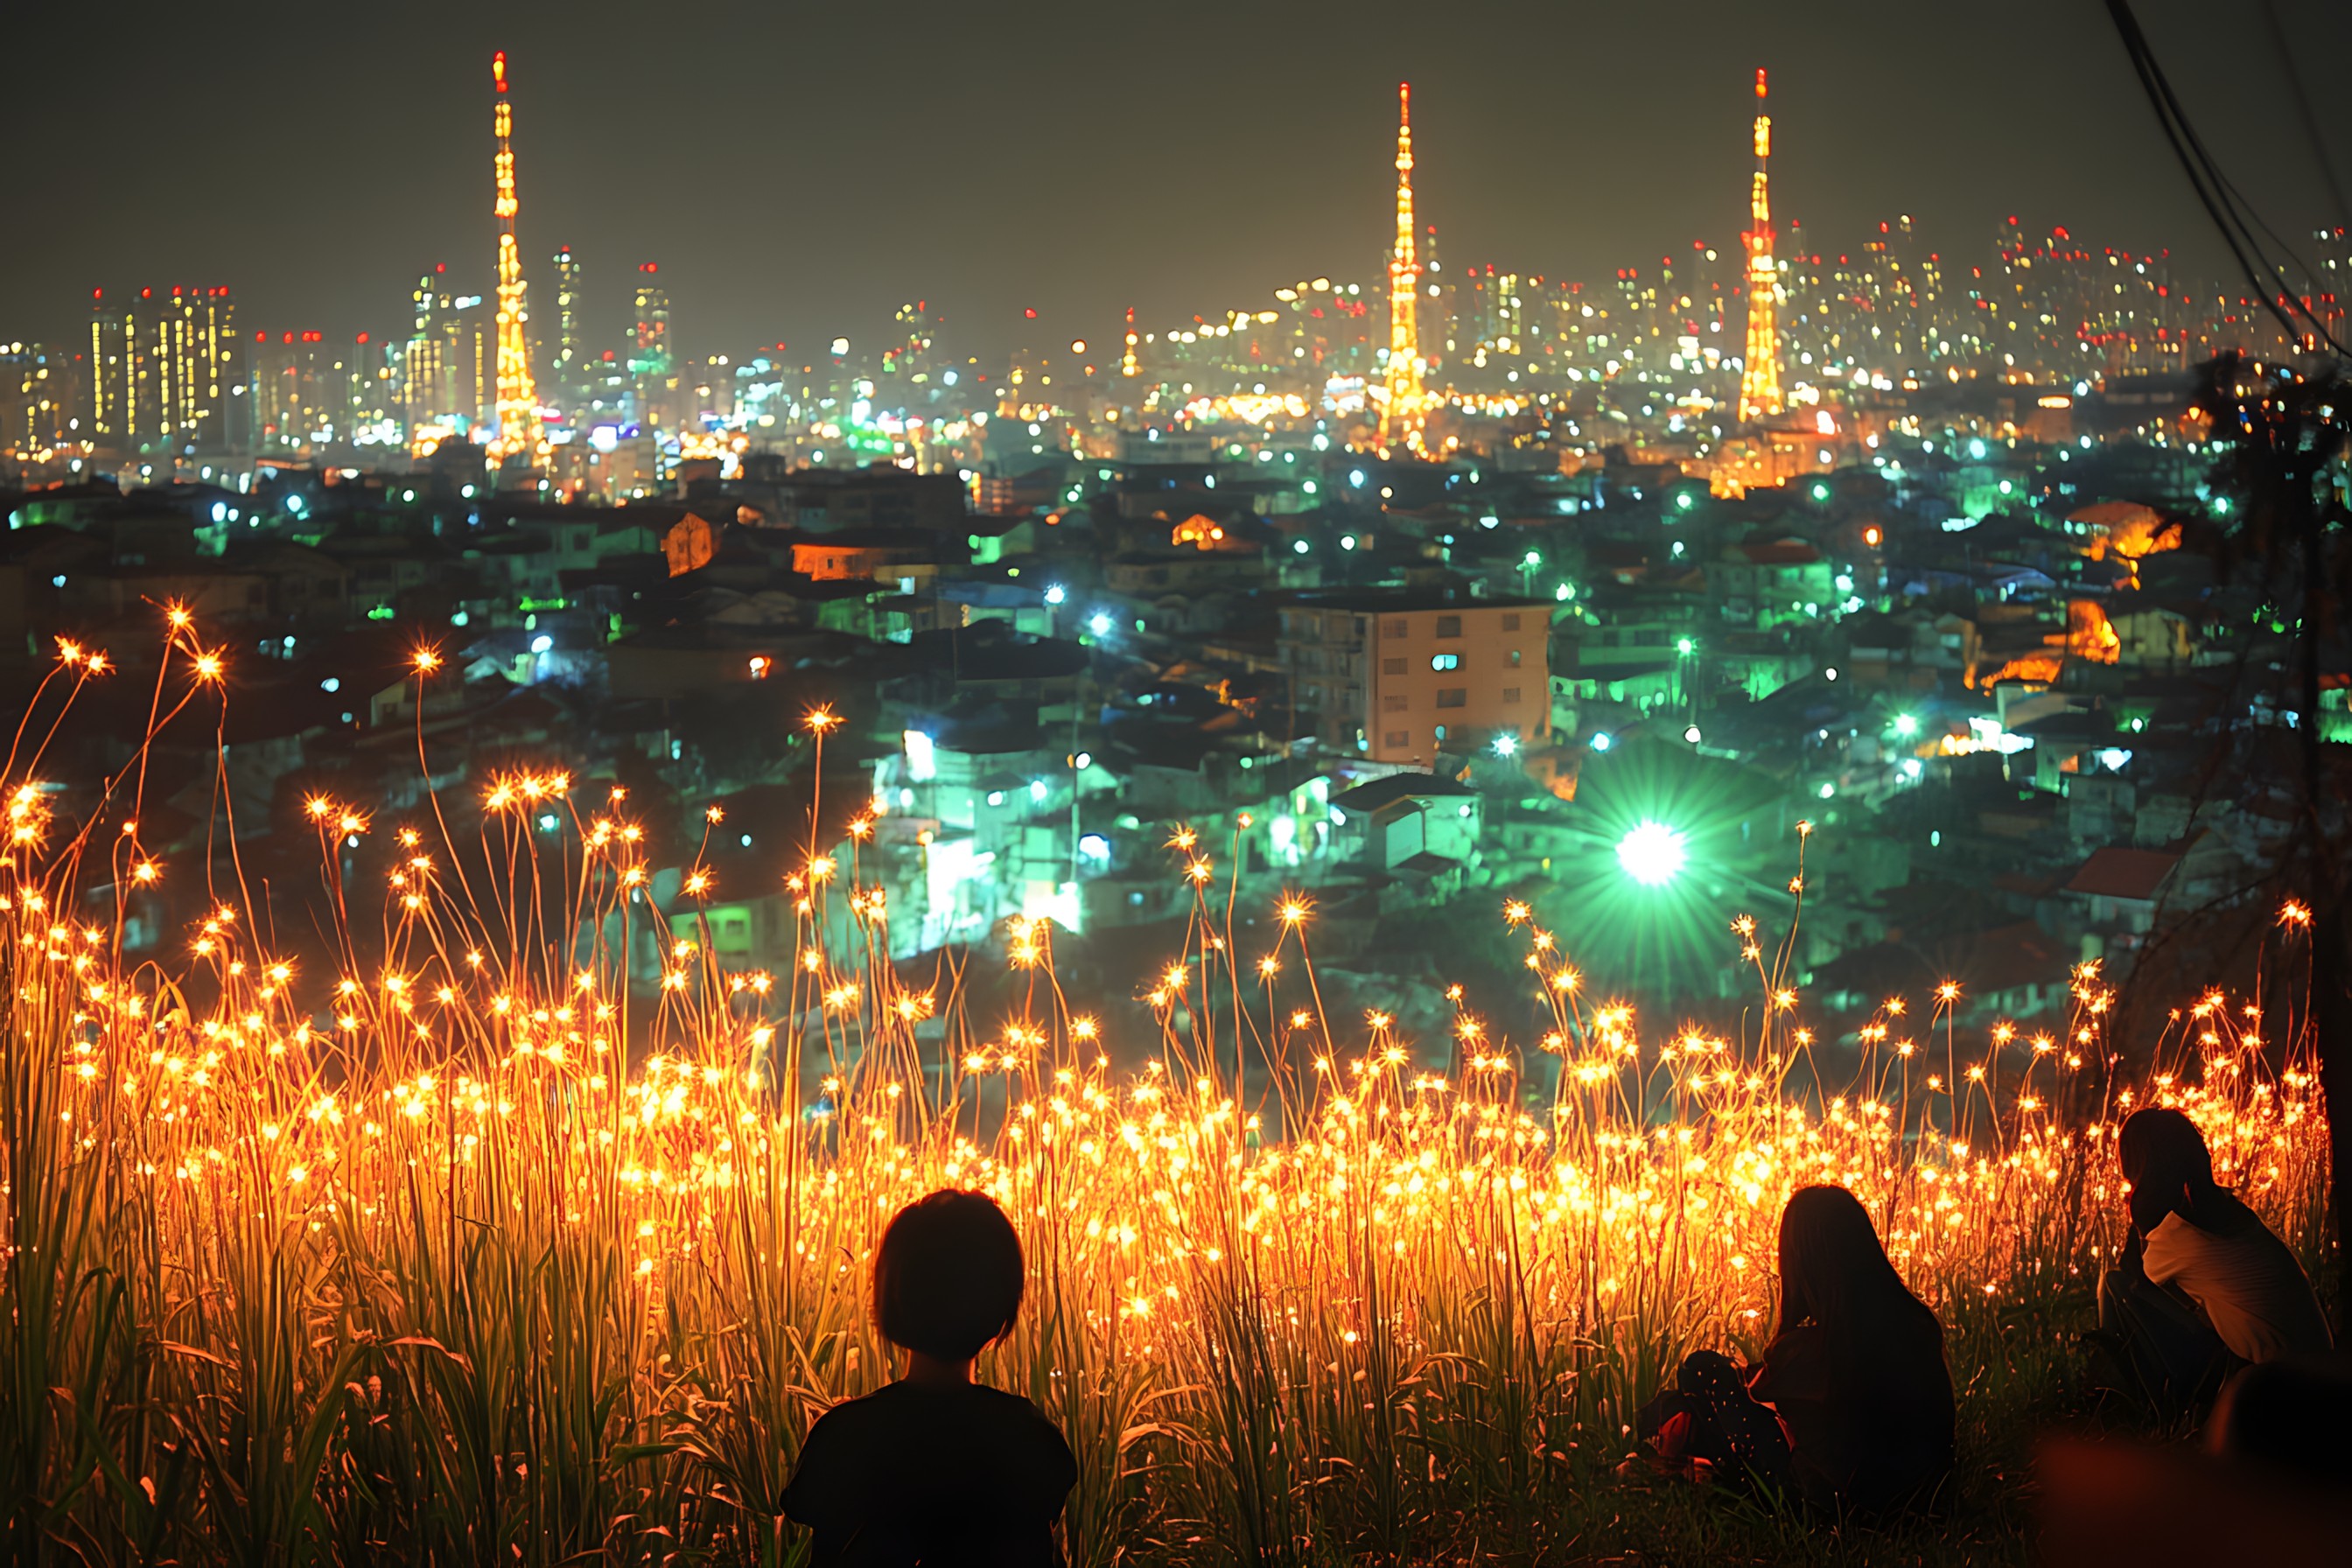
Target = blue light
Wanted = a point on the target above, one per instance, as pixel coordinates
(1099, 624)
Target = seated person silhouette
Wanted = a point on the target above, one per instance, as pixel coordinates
(1852, 1405)
(2201, 1288)
(935, 1470)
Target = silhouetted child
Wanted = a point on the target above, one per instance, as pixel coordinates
(936, 1470)
(1854, 1374)
(2202, 1286)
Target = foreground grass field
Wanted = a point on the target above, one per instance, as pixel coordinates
(453, 1256)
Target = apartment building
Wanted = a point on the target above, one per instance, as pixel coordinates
(1400, 675)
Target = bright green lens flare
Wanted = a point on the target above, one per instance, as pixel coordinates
(1652, 854)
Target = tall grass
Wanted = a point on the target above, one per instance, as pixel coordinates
(455, 1257)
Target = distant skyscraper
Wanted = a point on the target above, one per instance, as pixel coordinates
(449, 366)
(652, 361)
(308, 393)
(570, 348)
(1400, 422)
(38, 398)
(162, 369)
(518, 397)
(1760, 378)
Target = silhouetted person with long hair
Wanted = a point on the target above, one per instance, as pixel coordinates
(1855, 1374)
(2201, 1287)
(1856, 1363)
(935, 1470)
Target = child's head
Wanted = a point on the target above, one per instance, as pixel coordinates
(948, 1276)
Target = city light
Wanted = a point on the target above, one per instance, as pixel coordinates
(1652, 854)
(1506, 745)
(922, 756)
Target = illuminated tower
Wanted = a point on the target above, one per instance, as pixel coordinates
(1759, 381)
(1402, 424)
(1127, 365)
(518, 400)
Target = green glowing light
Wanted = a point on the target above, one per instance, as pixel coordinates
(1652, 854)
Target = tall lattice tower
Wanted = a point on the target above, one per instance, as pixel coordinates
(518, 400)
(1759, 380)
(1400, 426)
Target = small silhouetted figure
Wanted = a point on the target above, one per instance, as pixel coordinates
(1855, 1374)
(2202, 1286)
(936, 1470)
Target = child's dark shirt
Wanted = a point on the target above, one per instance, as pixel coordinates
(953, 1476)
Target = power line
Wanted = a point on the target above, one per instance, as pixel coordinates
(2220, 198)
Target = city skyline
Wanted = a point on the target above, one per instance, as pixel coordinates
(1303, 199)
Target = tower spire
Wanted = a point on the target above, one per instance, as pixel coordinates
(1759, 379)
(1400, 424)
(518, 406)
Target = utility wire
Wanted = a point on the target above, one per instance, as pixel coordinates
(2220, 198)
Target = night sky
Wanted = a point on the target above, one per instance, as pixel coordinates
(800, 171)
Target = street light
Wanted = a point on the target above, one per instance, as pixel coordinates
(1652, 854)
(1506, 745)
